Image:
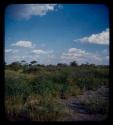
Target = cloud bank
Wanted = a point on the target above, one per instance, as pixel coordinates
(81, 56)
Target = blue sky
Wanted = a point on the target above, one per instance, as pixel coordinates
(57, 33)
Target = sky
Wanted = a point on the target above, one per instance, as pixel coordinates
(57, 33)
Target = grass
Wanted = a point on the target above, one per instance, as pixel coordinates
(36, 108)
(35, 96)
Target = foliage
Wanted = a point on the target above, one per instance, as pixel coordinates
(74, 63)
(34, 93)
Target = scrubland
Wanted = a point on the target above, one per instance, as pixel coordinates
(37, 93)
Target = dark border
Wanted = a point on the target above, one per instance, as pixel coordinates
(3, 5)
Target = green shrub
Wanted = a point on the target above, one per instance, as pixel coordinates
(16, 84)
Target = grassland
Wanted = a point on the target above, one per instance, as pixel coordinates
(36, 94)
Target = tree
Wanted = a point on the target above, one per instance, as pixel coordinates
(33, 62)
(32, 66)
(15, 65)
(23, 61)
(87, 65)
(25, 65)
(92, 65)
(74, 63)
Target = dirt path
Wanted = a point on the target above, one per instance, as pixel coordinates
(81, 113)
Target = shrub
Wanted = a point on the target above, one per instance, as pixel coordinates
(16, 84)
(44, 108)
(35, 96)
(13, 107)
(74, 90)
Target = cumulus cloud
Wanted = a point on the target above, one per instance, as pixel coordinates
(26, 11)
(15, 58)
(27, 44)
(81, 56)
(74, 53)
(100, 38)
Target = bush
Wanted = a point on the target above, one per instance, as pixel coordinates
(74, 90)
(36, 108)
(35, 96)
(16, 84)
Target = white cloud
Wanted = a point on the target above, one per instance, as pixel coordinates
(15, 58)
(81, 56)
(107, 57)
(50, 56)
(100, 38)
(8, 50)
(40, 51)
(27, 10)
(11, 51)
(22, 43)
(76, 51)
(14, 51)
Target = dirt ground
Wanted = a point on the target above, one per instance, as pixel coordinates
(81, 113)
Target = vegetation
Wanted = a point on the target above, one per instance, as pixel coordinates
(34, 92)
